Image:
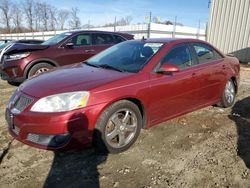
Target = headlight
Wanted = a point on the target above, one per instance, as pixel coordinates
(16, 56)
(61, 102)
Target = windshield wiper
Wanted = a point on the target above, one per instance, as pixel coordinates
(90, 64)
(106, 66)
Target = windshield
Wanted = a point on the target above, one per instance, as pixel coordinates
(5, 44)
(56, 39)
(130, 56)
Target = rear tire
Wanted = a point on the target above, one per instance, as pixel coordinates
(39, 68)
(118, 127)
(228, 96)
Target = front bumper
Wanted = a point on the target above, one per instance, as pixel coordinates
(58, 131)
(6, 77)
(12, 72)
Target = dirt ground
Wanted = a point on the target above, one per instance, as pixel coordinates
(206, 148)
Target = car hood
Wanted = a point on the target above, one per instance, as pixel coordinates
(78, 77)
(19, 47)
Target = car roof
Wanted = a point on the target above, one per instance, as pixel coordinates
(24, 40)
(97, 31)
(168, 40)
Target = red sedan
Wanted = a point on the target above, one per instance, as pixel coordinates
(111, 97)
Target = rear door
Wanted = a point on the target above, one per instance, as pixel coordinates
(81, 50)
(212, 66)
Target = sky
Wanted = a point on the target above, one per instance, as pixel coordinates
(99, 12)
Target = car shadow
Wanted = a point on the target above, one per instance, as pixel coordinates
(241, 115)
(76, 168)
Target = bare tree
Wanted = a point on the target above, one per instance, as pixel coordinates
(124, 21)
(62, 16)
(168, 22)
(37, 16)
(45, 16)
(128, 19)
(29, 9)
(5, 7)
(16, 13)
(52, 17)
(74, 22)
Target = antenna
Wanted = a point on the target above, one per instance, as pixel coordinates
(143, 38)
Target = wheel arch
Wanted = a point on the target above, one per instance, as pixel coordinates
(141, 107)
(134, 100)
(37, 61)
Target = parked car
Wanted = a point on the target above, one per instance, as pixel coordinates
(109, 98)
(22, 61)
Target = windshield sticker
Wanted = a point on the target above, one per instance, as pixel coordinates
(153, 45)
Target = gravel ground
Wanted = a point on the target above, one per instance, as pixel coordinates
(206, 148)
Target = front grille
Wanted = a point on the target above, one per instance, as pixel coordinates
(22, 102)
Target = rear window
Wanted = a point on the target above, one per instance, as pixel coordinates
(101, 38)
(118, 39)
(206, 53)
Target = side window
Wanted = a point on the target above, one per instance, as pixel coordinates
(118, 39)
(206, 53)
(180, 56)
(81, 39)
(103, 39)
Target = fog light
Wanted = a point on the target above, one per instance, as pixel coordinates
(49, 140)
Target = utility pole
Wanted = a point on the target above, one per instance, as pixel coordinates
(174, 28)
(149, 24)
(115, 25)
(88, 24)
(198, 30)
(206, 31)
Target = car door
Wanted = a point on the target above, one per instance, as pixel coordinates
(212, 67)
(80, 50)
(179, 92)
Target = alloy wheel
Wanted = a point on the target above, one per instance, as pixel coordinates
(41, 70)
(229, 92)
(121, 128)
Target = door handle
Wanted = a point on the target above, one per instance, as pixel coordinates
(193, 74)
(88, 51)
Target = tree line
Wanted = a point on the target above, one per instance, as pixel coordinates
(38, 15)
(33, 15)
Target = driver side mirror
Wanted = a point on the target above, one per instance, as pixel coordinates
(69, 45)
(168, 68)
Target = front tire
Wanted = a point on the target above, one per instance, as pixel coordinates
(228, 96)
(118, 127)
(39, 68)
